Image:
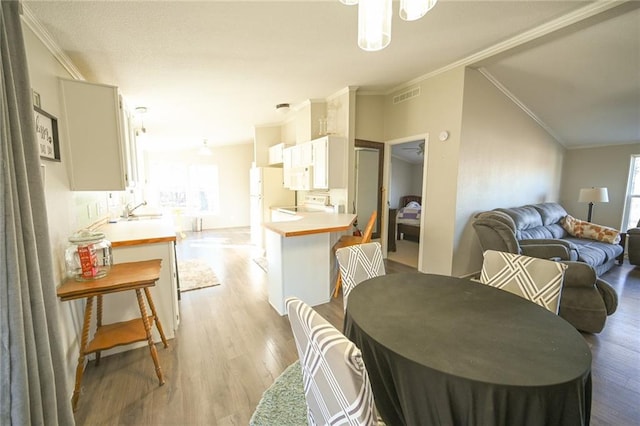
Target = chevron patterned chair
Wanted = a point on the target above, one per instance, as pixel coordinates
(538, 280)
(358, 263)
(336, 384)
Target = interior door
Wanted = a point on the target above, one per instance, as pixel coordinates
(369, 183)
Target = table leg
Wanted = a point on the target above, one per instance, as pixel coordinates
(147, 328)
(98, 324)
(155, 316)
(83, 346)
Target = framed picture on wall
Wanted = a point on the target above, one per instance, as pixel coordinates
(47, 135)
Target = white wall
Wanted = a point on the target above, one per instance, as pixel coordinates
(506, 160)
(44, 71)
(600, 167)
(233, 162)
(405, 179)
(439, 107)
(496, 156)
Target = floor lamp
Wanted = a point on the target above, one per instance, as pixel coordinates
(593, 195)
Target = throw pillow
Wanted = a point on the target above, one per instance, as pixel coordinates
(582, 229)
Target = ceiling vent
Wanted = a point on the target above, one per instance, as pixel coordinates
(404, 96)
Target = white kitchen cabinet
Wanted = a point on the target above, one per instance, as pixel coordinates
(329, 162)
(287, 157)
(276, 154)
(98, 137)
(318, 164)
(297, 170)
(302, 155)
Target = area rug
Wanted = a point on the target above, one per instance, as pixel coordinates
(283, 404)
(195, 274)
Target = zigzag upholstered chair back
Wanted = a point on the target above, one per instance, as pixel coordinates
(538, 280)
(336, 384)
(358, 263)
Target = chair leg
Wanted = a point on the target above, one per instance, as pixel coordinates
(338, 284)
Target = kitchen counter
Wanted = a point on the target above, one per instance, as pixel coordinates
(140, 240)
(300, 258)
(312, 223)
(137, 232)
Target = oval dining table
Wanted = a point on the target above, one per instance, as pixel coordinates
(441, 350)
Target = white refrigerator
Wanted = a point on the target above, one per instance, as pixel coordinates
(266, 190)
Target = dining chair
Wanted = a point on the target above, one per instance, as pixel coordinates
(538, 280)
(350, 240)
(358, 263)
(336, 383)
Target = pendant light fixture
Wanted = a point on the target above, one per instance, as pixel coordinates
(374, 19)
(411, 10)
(374, 24)
(205, 150)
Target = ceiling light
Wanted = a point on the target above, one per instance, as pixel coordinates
(374, 24)
(140, 111)
(411, 10)
(204, 150)
(283, 108)
(374, 19)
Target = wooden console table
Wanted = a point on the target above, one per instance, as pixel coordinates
(136, 276)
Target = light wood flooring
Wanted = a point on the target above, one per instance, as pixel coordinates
(231, 345)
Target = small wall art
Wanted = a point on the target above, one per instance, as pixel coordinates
(47, 135)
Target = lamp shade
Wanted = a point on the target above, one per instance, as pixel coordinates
(593, 195)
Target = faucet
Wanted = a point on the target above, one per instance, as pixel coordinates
(129, 212)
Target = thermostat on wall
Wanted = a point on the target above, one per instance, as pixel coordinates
(444, 135)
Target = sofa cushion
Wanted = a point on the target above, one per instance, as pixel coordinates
(595, 252)
(581, 229)
(528, 223)
(551, 213)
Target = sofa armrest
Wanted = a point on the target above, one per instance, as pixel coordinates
(633, 231)
(609, 295)
(546, 249)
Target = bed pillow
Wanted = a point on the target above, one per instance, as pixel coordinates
(413, 204)
(581, 229)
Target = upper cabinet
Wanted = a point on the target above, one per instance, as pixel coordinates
(319, 164)
(100, 138)
(276, 154)
(329, 162)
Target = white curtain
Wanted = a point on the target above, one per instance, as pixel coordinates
(33, 387)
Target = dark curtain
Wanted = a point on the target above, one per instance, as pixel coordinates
(33, 388)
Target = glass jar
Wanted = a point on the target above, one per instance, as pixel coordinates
(88, 256)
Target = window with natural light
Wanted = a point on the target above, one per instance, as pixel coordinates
(632, 203)
(192, 188)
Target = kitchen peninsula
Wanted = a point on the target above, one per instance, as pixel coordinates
(299, 257)
(137, 240)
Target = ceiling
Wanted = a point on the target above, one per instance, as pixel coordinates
(214, 69)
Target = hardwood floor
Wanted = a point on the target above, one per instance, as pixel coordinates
(231, 345)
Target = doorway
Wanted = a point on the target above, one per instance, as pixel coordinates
(406, 183)
(368, 192)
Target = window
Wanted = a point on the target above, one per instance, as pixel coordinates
(194, 188)
(632, 203)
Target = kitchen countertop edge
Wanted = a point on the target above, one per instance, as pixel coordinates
(308, 226)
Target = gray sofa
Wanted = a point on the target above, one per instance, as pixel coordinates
(536, 230)
(586, 300)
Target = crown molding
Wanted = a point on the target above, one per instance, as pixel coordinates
(571, 18)
(43, 35)
(521, 105)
